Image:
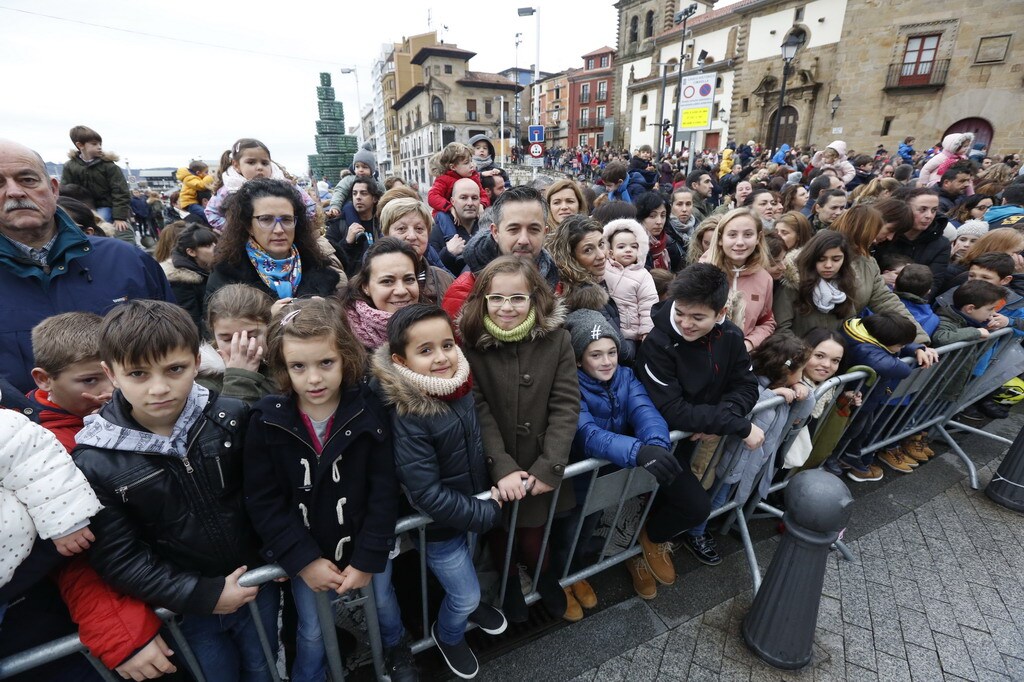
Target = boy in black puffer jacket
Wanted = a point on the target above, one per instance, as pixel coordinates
(164, 457)
(440, 462)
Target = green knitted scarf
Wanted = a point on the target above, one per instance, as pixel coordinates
(514, 335)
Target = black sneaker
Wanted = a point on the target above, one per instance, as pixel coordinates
(993, 410)
(703, 548)
(400, 664)
(972, 413)
(489, 619)
(459, 657)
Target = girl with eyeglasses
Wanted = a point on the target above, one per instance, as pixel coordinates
(528, 403)
(269, 242)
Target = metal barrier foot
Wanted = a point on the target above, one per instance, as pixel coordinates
(843, 549)
(972, 471)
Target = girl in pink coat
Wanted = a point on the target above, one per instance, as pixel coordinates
(629, 283)
(834, 157)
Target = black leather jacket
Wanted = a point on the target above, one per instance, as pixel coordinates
(171, 528)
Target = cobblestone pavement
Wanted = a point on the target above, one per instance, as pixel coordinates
(934, 595)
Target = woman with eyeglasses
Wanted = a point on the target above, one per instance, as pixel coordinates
(269, 243)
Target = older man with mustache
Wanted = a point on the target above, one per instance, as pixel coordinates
(49, 266)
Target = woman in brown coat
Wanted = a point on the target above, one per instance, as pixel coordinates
(527, 398)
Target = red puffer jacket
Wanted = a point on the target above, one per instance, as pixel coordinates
(111, 625)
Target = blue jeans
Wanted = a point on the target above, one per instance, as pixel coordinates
(310, 654)
(228, 647)
(451, 562)
(106, 213)
(720, 498)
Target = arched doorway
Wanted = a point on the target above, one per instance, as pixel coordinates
(981, 128)
(787, 128)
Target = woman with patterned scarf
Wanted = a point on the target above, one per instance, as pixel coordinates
(269, 243)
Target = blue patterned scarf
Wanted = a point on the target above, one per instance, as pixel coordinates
(281, 275)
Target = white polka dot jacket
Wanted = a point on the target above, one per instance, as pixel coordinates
(42, 492)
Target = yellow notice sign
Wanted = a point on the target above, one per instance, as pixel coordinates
(695, 118)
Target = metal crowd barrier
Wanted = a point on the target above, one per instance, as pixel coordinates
(926, 400)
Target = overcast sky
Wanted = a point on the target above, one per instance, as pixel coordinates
(161, 102)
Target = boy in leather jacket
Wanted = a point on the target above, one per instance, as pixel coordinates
(164, 457)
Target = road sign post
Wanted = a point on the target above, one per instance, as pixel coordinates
(536, 151)
(535, 134)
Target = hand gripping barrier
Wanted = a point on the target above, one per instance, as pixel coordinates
(926, 400)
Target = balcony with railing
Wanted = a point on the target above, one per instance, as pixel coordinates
(601, 96)
(596, 122)
(471, 116)
(584, 97)
(923, 76)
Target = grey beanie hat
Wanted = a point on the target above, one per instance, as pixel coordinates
(973, 228)
(365, 155)
(586, 326)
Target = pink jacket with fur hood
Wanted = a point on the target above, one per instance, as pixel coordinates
(632, 288)
(842, 167)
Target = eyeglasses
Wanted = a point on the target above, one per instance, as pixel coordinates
(515, 300)
(269, 222)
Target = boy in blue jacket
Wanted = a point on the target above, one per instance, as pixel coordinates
(877, 341)
(912, 287)
(618, 422)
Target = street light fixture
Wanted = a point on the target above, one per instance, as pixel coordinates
(529, 12)
(836, 101)
(680, 18)
(789, 49)
(347, 70)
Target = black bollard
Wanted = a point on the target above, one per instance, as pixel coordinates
(1007, 485)
(780, 625)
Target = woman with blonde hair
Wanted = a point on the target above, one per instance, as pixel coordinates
(564, 198)
(738, 249)
(408, 219)
(700, 240)
(876, 190)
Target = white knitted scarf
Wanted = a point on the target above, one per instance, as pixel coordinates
(436, 386)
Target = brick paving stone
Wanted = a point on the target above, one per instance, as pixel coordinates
(892, 669)
(734, 671)
(915, 628)
(908, 595)
(990, 676)
(645, 664)
(954, 657)
(1014, 667)
(983, 651)
(1007, 637)
(855, 672)
(613, 670)
(710, 648)
(830, 615)
(941, 617)
(859, 645)
(989, 602)
(966, 612)
(924, 664)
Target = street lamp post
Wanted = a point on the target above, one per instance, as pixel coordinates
(661, 108)
(359, 102)
(526, 12)
(516, 113)
(501, 127)
(681, 17)
(789, 48)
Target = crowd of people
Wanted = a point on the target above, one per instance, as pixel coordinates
(280, 374)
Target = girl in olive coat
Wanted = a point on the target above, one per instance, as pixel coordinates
(527, 397)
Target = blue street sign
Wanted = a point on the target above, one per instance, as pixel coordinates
(536, 133)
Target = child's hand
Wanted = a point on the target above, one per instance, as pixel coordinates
(998, 321)
(278, 304)
(97, 399)
(333, 212)
(456, 245)
(854, 397)
(787, 394)
(122, 225)
(983, 333)
(243, 352)
(354, 230)
(926, 357)
(74, 543)
(889, 277)
(234, 596)
(801, 391)
(536, 486)
(496, 496)
(755, 439)
(321, 575)
(149, 663)
(511, 486)
(353, 579)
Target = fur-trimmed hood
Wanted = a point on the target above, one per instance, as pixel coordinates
(180, 275)
(211, 364)
(552, 323)
(398, 392)
(75, 155)
(791, 273)
(954, 141)
(642, 239)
